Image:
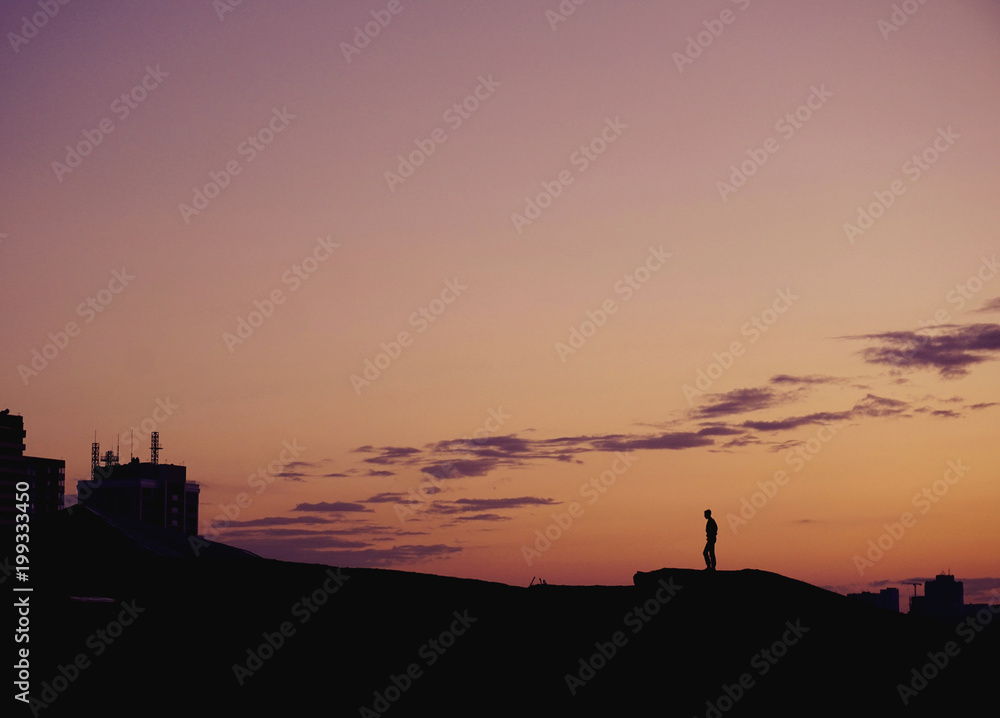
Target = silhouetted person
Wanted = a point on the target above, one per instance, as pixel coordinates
(711, 532)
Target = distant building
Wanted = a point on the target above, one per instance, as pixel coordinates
(153, 493)
(943, 598)
(886, 599)
(46, 478)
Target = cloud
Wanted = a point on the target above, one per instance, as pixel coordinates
(983, 405)
(981, 590)
(992, 305)
(386, 497)
(879, 406)
(671, 441)
(741, 401)
(507, 445)
(387, 454)
(811, 379)
(719, 430)
(794, 422)
(870, 406)
(940, 413)
(292, 476)
(951, 350)
(334, 507)
(277, 521)
(481, 517)
(784, 445)
(475, 505)
(745, 440)
(308, 539)
(461, 468)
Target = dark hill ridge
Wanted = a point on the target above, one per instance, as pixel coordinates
(399, 643)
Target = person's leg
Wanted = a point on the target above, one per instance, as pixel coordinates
(707, 553)
(711, 552)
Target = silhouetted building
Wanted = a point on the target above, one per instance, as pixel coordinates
(45, 477)
(11, 462)
(47, 481)
(153, 493)
(887, 599)
(943, 598)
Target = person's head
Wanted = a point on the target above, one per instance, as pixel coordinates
(708, 513)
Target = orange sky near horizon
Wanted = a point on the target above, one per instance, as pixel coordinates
(741, 255)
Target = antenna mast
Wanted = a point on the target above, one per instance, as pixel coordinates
(95, 457)
(154, 447)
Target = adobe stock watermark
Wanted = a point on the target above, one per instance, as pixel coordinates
(98, 642)
(420, 320)
(787, 125)
(84, 489)
(562, 12)
(455, 116)
(122, 107)
(762, 662)
(293, 277)
(797, 457)
(965, 291)
(250, 148)
(6, 569)
(968, 629)
(138, 436)
(430, 652)
(754, 328)
(636, 619)
(581, 159)
(59, 340)
(924, 501)
(273, 641)
(364, 34)
(626, 287)
(959, 296)
(562, 522)
(697, 44)
(224, 7)
(422, 496)
(914, 168)
(901, 14)
(32, 25)
(260, 480)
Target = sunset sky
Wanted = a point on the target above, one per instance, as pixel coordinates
(406, 279)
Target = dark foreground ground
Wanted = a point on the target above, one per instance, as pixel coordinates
(238, 635)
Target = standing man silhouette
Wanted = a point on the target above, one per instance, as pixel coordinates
(711, 532)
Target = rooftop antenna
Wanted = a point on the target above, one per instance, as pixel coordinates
(154, 447)
(131, 447)
(95, 457)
